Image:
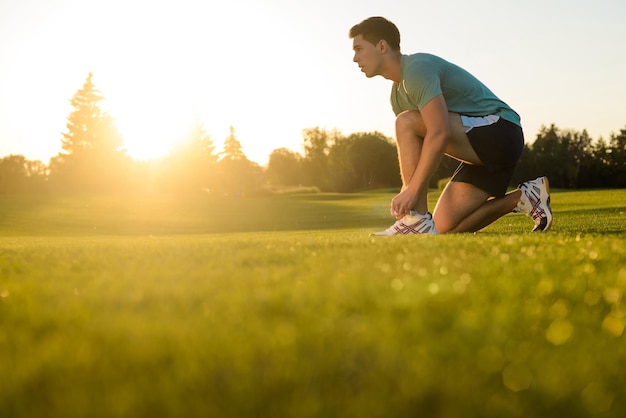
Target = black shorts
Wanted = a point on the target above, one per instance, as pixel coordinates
(499, 146)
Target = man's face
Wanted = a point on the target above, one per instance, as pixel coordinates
(367, 56)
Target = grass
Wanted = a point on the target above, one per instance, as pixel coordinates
(147, 306)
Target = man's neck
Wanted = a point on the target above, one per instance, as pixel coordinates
(393, 67)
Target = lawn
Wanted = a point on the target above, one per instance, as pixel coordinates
(152, 305)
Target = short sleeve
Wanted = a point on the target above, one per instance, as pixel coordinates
(422, 83)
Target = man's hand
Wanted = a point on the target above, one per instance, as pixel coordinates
(402, 203)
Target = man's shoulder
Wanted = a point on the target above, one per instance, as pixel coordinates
(421, 63)
(420, 69)
(420, 58)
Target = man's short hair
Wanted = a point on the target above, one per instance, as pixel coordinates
(375, 29)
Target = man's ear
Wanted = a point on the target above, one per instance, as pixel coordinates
(382, 46)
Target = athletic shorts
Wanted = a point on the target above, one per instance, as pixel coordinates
(499, 145)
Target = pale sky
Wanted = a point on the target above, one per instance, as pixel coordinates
(272, 68)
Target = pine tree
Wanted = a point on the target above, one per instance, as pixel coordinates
(89, 127)
(190, 166)
(232, 147)
(93, 158)
(236, 174)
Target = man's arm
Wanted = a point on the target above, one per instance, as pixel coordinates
(437, 124)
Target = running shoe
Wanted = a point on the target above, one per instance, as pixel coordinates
(535, 202)
(413, 223)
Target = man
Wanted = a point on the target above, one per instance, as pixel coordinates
(442, 109)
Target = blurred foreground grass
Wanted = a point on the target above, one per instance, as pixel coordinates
(151, 306)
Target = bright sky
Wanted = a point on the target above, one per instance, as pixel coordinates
(272, 68)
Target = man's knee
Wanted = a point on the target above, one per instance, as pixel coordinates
(410, 121)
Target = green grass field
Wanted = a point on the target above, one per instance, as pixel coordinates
(161, 306)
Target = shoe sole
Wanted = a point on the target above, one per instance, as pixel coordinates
(546, 222)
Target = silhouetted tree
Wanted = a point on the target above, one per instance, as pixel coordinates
(93, 158)
(316, 170)
(17, 174)
(190, 166)
(374, 159)
(363, 161)
(617, 158)
(360, 161)
(526, 168)
(284, 168)
(600, 173)
(236, 174)
(232, 147)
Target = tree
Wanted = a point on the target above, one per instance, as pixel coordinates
(93, 158)
(17, 175)
(617, 160)
(317, 143)
(374, 161)
(363, 161)
(284, 168)
(190, 166)
(232, 147)
(552, 158)
(12, 174)
(526, 167)
(236, 174)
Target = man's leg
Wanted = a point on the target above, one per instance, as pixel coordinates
(463, 207)
(410, 132)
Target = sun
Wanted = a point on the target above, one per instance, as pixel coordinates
(150, 121)
(176, 78)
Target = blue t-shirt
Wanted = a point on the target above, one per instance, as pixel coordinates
(426, 76)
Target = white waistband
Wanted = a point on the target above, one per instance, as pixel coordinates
(470, 122)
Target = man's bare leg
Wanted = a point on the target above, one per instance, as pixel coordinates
(463, 207)
(410, 133)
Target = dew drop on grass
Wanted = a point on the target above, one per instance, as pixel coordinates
(559, 331)
(613, 326)
(465, 278)
(597, 398)
(490, 359)
(612, 295)
(459, 287)
(591, 298)
(588, 268)
(545, 287)
(397, 284)
(433, 288)
(559, 309)
(517, 377)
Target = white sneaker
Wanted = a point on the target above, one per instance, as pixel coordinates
(535, 203)
(413, 223)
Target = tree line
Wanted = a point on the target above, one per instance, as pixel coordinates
(93, 160)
